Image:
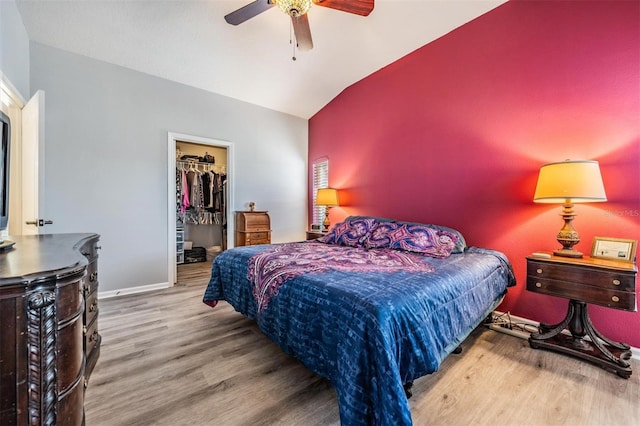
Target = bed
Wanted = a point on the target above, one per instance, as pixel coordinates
(371, 306)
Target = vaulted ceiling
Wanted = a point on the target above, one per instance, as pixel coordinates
(189, 42)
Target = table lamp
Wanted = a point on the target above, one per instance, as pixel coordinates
(327, 197)
(569, 182)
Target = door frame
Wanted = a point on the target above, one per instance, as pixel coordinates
(32, 181)
(172, 271)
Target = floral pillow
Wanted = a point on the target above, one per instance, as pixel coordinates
(350, 233)
(415, 238)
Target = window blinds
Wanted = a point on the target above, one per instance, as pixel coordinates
(320, 180)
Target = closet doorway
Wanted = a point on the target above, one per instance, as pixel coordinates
(205, 226)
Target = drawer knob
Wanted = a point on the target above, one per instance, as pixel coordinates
(538, 284)
(93, 307)
(616, 282)
(93, 277)
(615, 299)
(539, 270)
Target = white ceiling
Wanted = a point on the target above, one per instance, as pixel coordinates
(189, 42)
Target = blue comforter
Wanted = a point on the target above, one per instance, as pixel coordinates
(369, 332)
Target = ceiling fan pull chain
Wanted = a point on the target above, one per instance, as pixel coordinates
(291, 36)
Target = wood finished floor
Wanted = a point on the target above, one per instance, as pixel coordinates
(168, 359)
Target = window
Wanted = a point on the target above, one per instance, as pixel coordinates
(320, 180)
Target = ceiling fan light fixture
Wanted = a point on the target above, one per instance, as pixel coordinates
(294, 7)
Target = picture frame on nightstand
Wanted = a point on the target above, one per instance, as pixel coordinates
(614, 249)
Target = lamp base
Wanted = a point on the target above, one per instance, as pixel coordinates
(568, 253)
(326, 223)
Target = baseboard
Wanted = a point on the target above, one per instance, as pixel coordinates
(132, 290)
(635, 352)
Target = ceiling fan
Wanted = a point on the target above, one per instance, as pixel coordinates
(297, 9)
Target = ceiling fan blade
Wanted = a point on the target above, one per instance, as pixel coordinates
(249, 11)
(302, 32)
(358, 7)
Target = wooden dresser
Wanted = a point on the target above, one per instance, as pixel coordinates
(48, 328)
(252, 227)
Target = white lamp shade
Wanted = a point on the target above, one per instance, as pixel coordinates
(578, 181)
(327, 197)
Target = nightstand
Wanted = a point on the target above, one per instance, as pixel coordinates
(585, 280)
(312, 235)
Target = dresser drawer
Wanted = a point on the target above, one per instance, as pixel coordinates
(253, 221)
(91, 336)
(69, 301)
(612, 298)
(90, 283)
(69, 354)
(258, 238)
(257, 222)
(91, 307)
(605, 279)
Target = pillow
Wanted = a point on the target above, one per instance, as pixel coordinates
(350, 233)
(380, 236)
(459, 246)
(417, 238)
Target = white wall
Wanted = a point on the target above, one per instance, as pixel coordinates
(106, 158)
(14, 48)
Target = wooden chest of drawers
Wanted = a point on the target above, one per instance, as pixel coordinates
(91, 338)
(252, 227)
(48, 284)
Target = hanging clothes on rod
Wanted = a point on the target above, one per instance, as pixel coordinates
(200, 199)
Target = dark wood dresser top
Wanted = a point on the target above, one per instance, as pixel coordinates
(34, 257)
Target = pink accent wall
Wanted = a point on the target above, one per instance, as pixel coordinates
(455, 134)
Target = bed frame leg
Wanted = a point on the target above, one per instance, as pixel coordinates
(457, 350)
(407, 389)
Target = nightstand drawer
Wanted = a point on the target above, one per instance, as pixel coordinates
(312, 235)
(606, 279)
(573, 290)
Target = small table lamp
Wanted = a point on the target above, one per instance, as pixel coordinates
(327, 197)
(569, 182)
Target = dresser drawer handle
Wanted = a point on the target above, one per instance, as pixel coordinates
(93, 307)
(616, 282)
(94, 337)
(538, 285)
(615, 299)
(93, 276)
(539, 270)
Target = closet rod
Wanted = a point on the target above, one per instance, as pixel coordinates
(218, 168)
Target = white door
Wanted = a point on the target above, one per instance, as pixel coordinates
(33, 166)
